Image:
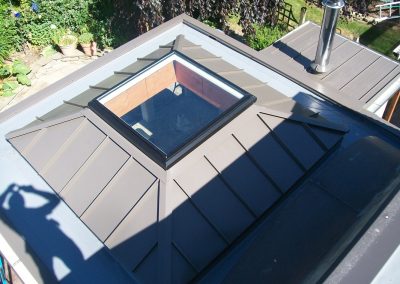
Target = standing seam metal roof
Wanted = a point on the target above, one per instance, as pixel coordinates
(214, 194)
(355, 71)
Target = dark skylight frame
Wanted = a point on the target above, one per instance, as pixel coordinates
(166, 160)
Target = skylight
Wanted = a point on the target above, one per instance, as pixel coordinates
(170, 107)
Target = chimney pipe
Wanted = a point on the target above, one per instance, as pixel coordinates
(326, 36)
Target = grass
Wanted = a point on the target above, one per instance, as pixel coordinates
(383, 37)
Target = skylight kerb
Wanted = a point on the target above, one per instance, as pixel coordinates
(170, 107)
(165, 61)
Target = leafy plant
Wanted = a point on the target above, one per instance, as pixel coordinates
(264, 36)
(11, 75)
(39, 34)
(85, 38)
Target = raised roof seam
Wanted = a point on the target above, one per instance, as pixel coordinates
(214, 227)
(376, 83)
(284, 146)
(101, 145)
(327, 192)
(105, 186)
(73, 104)
(57, 154)
(180, 251)
(248, 208)
(145, 256)
(178, 43)
(314, 136)
(262, 171)
(337, 68)
(134, 205)
(35, 139)
(359, 73)
(98, 88)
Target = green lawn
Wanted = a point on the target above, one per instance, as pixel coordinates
(383, 37)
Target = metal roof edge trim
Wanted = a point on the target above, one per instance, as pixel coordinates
(371, 247)
(88, 69)
(45, 124)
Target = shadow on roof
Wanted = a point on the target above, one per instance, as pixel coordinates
(279, 182)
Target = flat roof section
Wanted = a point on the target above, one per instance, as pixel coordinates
(356, 72)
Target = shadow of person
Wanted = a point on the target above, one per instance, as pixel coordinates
(42, 234)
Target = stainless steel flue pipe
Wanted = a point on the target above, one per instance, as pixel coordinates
(326, 36)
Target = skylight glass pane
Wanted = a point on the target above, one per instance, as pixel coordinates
(171, 103)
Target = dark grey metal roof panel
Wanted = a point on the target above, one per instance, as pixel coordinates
(61, 111)
(305, 227)
(112, 81)
(182, 271)
(23, 141)
(219, 66)
(242, 79)
(266, 95)
(191, 227)
(343, 54)
(374, 166)
(197, 53)
(84, 98)
(136, 236)
(290, 106)
(72, 155)
(118, 198)
(305, 147)
(382, 84)
(318, 221)
(357, 75)
(135, 67)
(43, 147)
(243, 176)
(157, 54)
(81, 191)
(307, 29)
(215, 200)
(269, 154)
(354, 66)
(148, 270)
(365, 81)
(328, 137)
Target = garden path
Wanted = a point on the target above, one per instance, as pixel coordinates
(46, 71)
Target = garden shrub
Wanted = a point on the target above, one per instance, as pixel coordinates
(9, 38)
(39, 34)
(264, 36)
